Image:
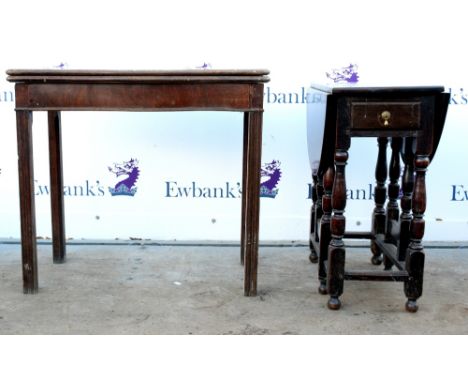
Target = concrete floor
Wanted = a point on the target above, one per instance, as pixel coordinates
(151, 289)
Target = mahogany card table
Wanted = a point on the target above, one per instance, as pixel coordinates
(54, 91)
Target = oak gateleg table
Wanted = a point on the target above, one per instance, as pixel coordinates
(58, 90)
(411, 118)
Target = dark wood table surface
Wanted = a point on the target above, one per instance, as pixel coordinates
(108, 90)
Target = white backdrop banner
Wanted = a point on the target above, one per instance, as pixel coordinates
(182, 171)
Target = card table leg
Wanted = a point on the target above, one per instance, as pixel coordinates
(244, 184)
(252, 202)
(27, 206)
(56, 187)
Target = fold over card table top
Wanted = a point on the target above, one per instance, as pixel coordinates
(137, 90)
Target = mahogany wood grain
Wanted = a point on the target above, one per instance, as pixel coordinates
(138, 97)
(56, 186)
(245, 145)
(95, 90)
(27, 206)
(252, 201)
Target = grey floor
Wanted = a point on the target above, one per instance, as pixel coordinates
(152, 289)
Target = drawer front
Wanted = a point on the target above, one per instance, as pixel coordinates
(385, 115)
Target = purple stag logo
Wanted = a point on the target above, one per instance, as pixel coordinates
(206, 65)
(270, 177)
(347, 74)
(62, 65)
(125, 186)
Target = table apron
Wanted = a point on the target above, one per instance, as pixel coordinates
(139, 97)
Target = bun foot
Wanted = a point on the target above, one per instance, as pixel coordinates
(322, 289)
(376, 260)
(334, 303)
(313, 257)
(411, 306)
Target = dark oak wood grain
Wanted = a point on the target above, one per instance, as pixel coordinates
(413, 118)
(380, 194)
(392, 211)
(406, 199)
(325, 231)
(315, 216)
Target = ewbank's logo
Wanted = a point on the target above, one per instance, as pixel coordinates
(347, 74)
(271, 175)
(131, 172)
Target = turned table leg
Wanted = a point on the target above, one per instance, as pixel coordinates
(336, 249)
(415, 255)
(380, 194)
(325, 233)
(314, 218)
(319, 206)
(405, 202)
(26, 196)
(392, 213)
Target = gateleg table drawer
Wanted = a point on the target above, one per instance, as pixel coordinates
(385, 115)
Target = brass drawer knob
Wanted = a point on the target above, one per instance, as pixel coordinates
(385, 117)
